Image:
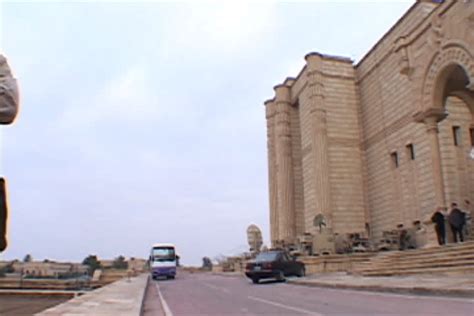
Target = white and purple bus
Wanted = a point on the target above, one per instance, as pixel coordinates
(163, 261)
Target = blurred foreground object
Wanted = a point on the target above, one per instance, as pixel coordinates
(3, 215)
(9, 101)
(9, 98)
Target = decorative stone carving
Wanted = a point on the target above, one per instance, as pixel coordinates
(470, 21)
(436, 37)
(324, 242)
(404, 62)
(9, 98)
(254, 238)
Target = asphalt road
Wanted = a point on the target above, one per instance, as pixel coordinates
(208, 294)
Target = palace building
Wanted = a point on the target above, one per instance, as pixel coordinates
(382, 142)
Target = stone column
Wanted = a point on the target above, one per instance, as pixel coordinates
(319, 142)
(272, 171)
(431, 120)
(285, 180)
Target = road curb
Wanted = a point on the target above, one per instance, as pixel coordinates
(164, 306)
(229, 274)
(389, 289)
(147, 284)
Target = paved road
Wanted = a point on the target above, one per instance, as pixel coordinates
(207, 294)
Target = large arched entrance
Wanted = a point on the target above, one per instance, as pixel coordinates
(456, 143)
(448, 112)
(456, 132)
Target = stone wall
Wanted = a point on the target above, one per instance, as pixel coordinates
(390, 82)
(373, 143)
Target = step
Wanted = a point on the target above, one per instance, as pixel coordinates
(423, 270)
(436, 251)
(416, 266)
(421, 260)
(444, 270)
(467, 263)
(399, 256)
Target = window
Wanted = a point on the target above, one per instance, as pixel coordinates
(285, 257)
(394, 157)
(267, 256)
(471, 131)
(163, 254)
(411, 151)
(457, 135)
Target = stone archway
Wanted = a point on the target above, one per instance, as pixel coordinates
(453, 57)
(450, 73)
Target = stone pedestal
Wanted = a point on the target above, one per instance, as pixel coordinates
(324, 242)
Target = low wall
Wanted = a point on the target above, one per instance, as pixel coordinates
(43, 284)
(111, 275)
(124, 297)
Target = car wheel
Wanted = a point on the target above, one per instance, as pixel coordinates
(281, 276)
(302, 272)
(255, 280)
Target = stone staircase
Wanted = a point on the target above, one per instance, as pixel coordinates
(449, 259)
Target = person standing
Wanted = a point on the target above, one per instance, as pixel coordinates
(9, 101)
(457, 220)
(438, 219)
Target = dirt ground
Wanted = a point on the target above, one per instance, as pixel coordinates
(14, 305)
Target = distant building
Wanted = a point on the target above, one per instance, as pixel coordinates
(382, 142)
(133, 263)
(106, 264)
(49, 268)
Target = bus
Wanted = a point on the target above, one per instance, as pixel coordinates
(163, 261)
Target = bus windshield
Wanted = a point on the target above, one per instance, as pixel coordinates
(163, 254)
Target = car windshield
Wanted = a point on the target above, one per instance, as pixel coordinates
(163, 254)
(267, 256)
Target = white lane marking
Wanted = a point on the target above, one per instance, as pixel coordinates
(291, 308)
(222, 289)
(165, 306)
(399, 295)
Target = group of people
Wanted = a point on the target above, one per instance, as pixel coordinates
(457, 218)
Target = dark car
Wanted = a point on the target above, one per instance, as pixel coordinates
(275, 264)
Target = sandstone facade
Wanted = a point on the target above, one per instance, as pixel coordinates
(380, 143)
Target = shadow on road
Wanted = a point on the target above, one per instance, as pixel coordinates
(267, 281)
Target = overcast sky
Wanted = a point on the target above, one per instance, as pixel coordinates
(144, 122)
